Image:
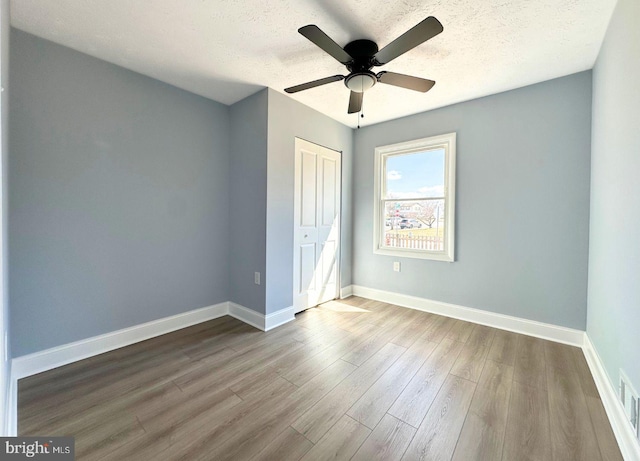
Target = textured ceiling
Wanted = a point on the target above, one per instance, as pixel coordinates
(228, 49)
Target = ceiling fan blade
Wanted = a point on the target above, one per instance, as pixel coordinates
(322, 40)
(420, 33)
(406, 81)
(313, 84)
(355, 102)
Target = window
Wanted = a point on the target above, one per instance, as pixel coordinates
(415, 198)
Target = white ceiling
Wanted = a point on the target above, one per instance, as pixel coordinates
(228, 49)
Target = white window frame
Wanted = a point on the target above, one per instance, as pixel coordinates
(446, 142)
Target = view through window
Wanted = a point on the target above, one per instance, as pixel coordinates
(413, 199)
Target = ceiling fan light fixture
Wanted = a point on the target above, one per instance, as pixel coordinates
(361, 81)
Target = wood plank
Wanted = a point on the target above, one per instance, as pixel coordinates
(572, 435)
(210, 344)
(351, 322)
(372, 406)
(254, 386)
(527, 436)
(324, 414)
(72, 401)
(471, 360)
(179, 428)
(234, 403)
(97, 441)
(100, 366)
(340, 443)
(190, 406)
(586, 379)
(559, 355)
(98, 437)
(417, 326)
(416, 398)
(503, 348)
(385, 313)
(366, 349)
(483, 432)
(606, 439)
(343, 307)
(290, 445)
(261, 339)
(56, 422)
(310, 348)
(231, 370)
(247, 428)
(315, 364)
(481, 336)
(72, 387)
(151, 446)
(388, 441)
(354, 300)
(530, 366)
(314, 319)
(243, 437)
(439, 329)
(438, 434)
(460, 331)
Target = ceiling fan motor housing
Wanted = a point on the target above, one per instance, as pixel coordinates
(361, 78)
(362, 50)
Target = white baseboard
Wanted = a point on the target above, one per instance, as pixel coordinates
(627, 441)
(492, 319)
(346, 291)
(55, 357)
(12, 408)
(52, 358)
(35, 363)
(246, 315)
(275, 319)
(261, 321)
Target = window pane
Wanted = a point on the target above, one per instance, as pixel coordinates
(416, 175)
(416, 225)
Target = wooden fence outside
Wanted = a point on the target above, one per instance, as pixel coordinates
(414, 242)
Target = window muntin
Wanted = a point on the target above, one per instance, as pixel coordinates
(414, 203)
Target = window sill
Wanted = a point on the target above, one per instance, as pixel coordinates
(404, 253)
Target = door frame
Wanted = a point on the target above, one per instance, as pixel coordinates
(296, 218)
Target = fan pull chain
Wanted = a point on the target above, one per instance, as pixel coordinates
(361, 113)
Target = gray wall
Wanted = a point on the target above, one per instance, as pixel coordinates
(5, 366)
(614, 252)
(119, 201)
(248, 200)
(522, 206)
(289, 119)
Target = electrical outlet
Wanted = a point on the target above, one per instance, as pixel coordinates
(629, 399)
(256, 278)
(396, 266)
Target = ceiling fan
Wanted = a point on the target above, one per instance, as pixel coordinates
(360, 56)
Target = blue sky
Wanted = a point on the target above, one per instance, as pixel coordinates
(415, 175)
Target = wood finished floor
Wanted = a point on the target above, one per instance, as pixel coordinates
(354, 379)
